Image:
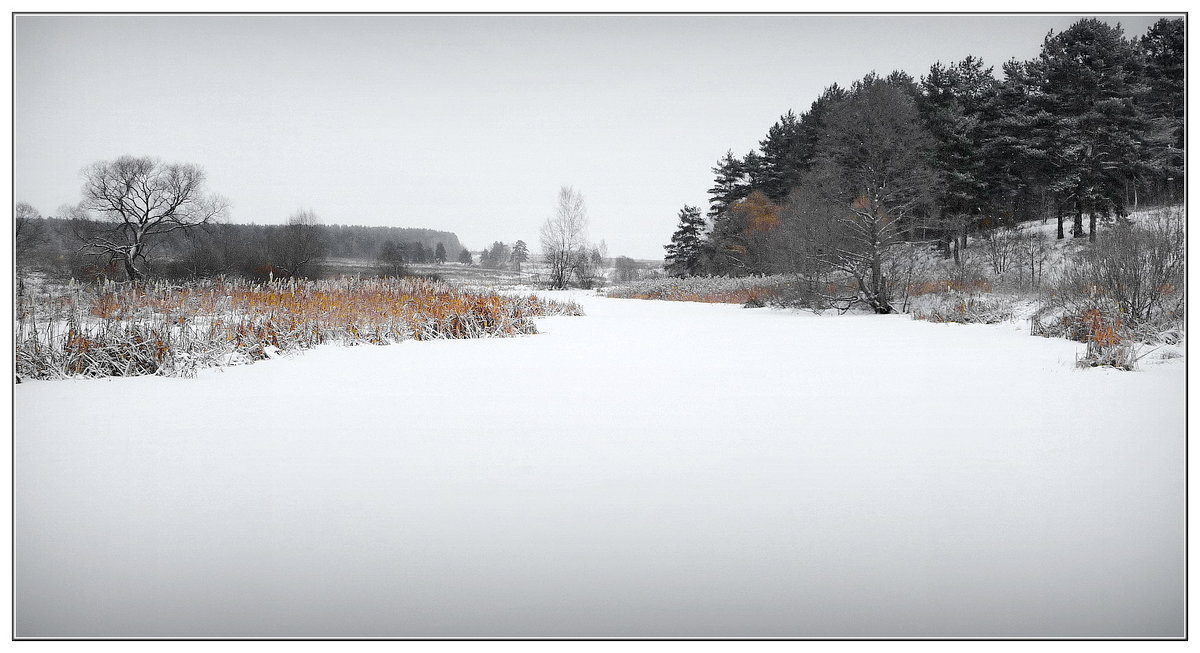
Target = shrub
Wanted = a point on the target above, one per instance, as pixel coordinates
(1131, 281)
(1105, 346)
(964, 307)
(1136, 269)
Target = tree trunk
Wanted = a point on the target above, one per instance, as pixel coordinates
(131, 272)
(1077, 223)
(1092, 228)
(1058, 206)
(131, 254)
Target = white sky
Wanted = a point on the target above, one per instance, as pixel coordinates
(463, 123)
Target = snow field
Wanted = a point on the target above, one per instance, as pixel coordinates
(655, 469)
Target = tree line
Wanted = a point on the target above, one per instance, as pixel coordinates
(142, 217)
(1093, 126)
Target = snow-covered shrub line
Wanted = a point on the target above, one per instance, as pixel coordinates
(726, 290)
(963, 307)
(174, 330)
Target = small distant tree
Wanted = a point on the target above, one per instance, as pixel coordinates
(496, 256)
(28, 231)
(626, 269)
(439, 254)
(391, 260)
(564, 236)
(600, 260)
(1002, 247)
(520, 254)
(1034, 252)
(299, 245)
(29, 234)
(419, 253)
(464, 257)
(142, 199)
(586, 268)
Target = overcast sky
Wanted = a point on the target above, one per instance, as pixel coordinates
(468, 124)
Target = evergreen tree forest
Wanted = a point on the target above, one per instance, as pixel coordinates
(1092, 128)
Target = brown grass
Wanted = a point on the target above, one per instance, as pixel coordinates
(174, 330)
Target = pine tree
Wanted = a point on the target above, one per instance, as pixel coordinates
(520, 254)
(1091, 88)
(1162, 49)
(683, 254)
(814, 121)
(391, 259)
(951, 103)
(419, 253)
(730, 186)
(498, 255)
(464, 257)
(783, 158)
(439, 254)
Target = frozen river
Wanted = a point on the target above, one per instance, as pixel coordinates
(651, 470)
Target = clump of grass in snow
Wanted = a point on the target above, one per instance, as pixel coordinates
(722, 290)
(964, 307)
(175, 330)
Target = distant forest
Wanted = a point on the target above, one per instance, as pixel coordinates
(56, 246)
(1092, 127)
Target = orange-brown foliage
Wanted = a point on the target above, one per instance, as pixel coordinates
(760, 213)
(1103, 332)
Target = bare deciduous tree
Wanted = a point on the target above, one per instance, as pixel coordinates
(1002, 246)
(564, 236)
(626, 269)
(299, 245)
(871, 180)
(1034, 252)
(28, 231)
(142, 198)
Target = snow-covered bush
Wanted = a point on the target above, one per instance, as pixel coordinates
(1132, 277)
(964, 306)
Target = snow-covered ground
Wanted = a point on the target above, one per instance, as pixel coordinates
(654, 469)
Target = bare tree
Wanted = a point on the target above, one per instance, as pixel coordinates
(142, 198)
(1034, 252)
(564, 236)
(299, 245)
(871, 180)
(28, 231)
(626, 269)
(1002, 246)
